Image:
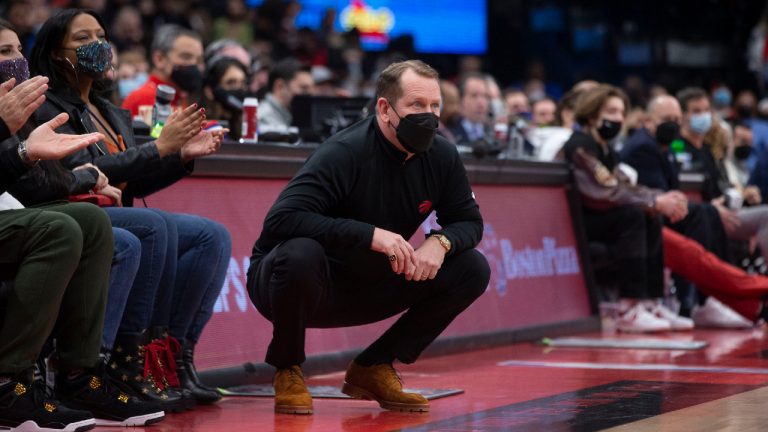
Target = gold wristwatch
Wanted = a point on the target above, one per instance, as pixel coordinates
(444, 242)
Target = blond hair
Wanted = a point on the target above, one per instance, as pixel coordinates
(388, 84)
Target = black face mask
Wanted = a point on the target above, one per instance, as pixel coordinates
(742, 152)
(608, 129)
(231, 100)
(667, 132)
(187, 78)
(416, 132)
(744, 111)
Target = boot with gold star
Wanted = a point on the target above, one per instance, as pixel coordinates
(130, 371)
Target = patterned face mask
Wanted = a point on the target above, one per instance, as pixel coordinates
(14, 68)
(94, 58)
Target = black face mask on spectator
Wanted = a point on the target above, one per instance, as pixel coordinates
(742, 152)
(667, 132)
(608, 129)
(744, 111)
(187, 78)
(231, 100)
(416, 132)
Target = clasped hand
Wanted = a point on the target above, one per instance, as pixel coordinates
(418, 264)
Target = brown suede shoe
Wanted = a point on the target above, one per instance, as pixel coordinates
(291, 394)
(382, 384)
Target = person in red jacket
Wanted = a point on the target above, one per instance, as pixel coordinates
(177, 60)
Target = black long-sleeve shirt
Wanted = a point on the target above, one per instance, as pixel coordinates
(358, 180)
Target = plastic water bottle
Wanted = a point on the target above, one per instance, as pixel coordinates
(250, 134)
(162, 109)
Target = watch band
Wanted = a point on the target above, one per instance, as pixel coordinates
(24, 155)
(444, 242)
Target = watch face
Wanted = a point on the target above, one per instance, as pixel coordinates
(444, 242)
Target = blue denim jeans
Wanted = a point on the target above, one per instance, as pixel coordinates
(204, 248)
(184, 260)
(125, 265)
(216, 257)
(151, 230)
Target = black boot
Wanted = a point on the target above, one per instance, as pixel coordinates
(185, 368)
(170, 351)
(126, 367)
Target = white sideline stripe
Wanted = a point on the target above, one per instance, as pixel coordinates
(631, 366)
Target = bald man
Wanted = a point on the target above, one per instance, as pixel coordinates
(648, 149)
(648, 152)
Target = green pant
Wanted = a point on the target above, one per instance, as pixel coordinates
(59, 258)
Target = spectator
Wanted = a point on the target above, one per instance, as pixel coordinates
(475, 109)
(177, 60)
(739, 151)
(648, 152)
(132, 72)
(287, 78)
(326, 83)
(535, 89)
(543, 113)
(517, 104)
(584, 85)
(127, 247)
(564, 116)
(634, 86)
(498, 112)
(224, 87)
(450, 111)
(128, 33)
(227, 48)
(745, 107)
(59, 257)
(707, 143)
(17, 13)
(721, 101)
(624, 217)
(235, 24)
(187, 290)
(544, 135)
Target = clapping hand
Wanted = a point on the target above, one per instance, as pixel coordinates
(19, 102)
(181, 126)
(202, 144)
(45, 144)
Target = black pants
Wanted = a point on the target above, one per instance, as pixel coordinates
(295, 286)
(703, 224)
(635, 239)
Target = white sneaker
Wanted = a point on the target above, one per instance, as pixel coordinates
(676, 322)
(716, 314)
(639, 320)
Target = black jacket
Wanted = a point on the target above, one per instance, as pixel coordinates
(704, 162)
(11, 167)
(357, 180)
(656, 167)
(45, 182)
(140, 166)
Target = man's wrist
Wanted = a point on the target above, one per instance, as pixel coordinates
(443, 241)
(24, 154)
